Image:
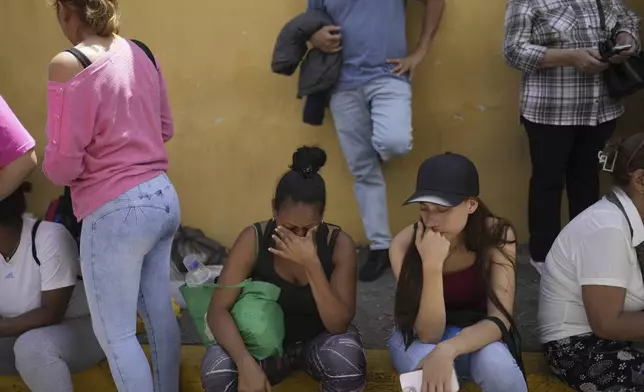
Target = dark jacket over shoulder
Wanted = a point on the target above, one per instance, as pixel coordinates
(319, 71)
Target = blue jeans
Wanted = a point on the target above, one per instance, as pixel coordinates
(492, 368)
(373, 124)
(125, 260)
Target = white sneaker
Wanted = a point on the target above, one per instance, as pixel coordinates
(538, 265)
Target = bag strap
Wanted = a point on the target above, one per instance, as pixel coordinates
(34, 252)
(258, 232)
(639, 250)
(239, 285)
(612, 197)
(67, 197)
(85, 62)
(512, 340)
(602, 16)
(34, 231)
(147, 51)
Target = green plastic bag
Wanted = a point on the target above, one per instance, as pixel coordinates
(258, 316)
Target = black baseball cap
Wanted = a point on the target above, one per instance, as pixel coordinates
(446, 179)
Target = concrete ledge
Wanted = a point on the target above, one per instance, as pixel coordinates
(381, 376)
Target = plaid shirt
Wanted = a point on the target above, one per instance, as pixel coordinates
(563, 95)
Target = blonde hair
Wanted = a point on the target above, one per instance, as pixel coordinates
(102, 16)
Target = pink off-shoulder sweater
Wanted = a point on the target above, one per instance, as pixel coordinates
(106, 127)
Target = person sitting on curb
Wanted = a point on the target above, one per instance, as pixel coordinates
(314, 265)
(17, 155)
(456, 275)
(592, 294)
(45, 328)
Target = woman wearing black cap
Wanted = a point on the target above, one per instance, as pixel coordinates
(456, 282)
(314, 265)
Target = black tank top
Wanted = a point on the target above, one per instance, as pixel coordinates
(301, 317)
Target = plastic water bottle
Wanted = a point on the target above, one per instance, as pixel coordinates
(198, 274)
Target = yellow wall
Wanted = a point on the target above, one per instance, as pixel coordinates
(238, 124)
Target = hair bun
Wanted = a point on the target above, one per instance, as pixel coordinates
(308, 160)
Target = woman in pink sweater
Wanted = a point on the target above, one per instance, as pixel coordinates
(17, 155)
(108, 120)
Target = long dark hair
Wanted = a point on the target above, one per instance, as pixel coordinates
(479, 237)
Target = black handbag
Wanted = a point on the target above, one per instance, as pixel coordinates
(621, 79)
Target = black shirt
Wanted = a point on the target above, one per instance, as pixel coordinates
(301, 317)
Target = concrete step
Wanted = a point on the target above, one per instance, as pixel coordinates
(381, 376)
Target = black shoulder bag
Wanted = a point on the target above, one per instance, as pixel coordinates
(621, 79)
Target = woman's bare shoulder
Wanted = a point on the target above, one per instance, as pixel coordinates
(63, 67)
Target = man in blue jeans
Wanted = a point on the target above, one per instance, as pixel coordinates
(371, 104)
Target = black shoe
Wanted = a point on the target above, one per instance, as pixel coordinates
(376, 265)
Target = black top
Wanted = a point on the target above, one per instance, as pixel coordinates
(301, 317)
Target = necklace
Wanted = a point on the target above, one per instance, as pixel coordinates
(13, 252)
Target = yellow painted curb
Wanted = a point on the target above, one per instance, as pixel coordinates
(381, 376)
